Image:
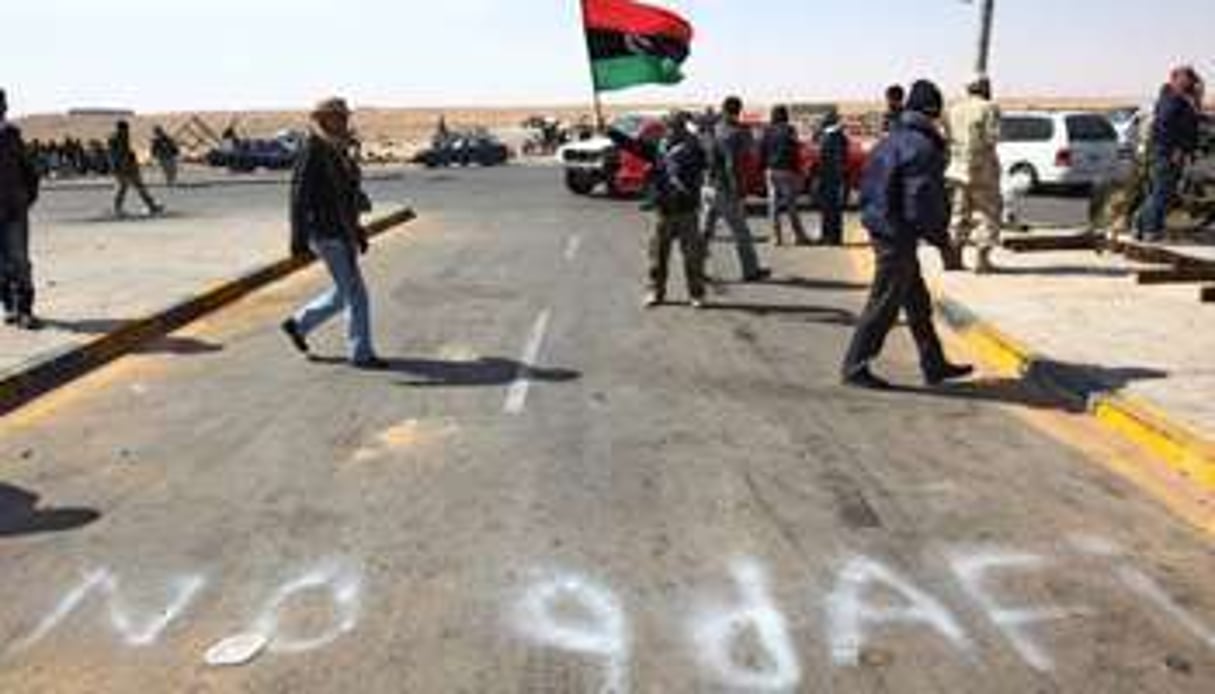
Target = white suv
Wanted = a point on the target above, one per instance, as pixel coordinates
(1064, 148)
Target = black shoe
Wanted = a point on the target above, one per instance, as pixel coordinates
(759, 275)
(10, 319)
(293, 332)
(370, 364)
(28, 321)
(948, 372)
(867, 380)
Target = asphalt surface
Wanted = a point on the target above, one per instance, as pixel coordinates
(553, 490)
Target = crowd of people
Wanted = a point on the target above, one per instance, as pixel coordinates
(70, 158)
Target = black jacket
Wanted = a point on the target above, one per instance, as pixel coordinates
(780, 148)
(903, 197)
(677, 172)
(326, 196)
(18, 175)
(1176, 126)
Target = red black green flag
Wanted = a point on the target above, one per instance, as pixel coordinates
(633, 43)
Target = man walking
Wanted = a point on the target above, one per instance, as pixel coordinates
(125, 167)
(166, 152)
(973, 129)
(676, 179)
(325, 202)
(780, 151)
(18, 193)
(832, 179)
(1174, 141)
(726, 193)
(902, 203)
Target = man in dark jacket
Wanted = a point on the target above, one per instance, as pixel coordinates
(833, 179)
(895, 96)
(781, 151)
(1174, 141)
(18, 193)
(326, 199)
(726, 193)
(903, 201)
(677, 176)
(125, 167)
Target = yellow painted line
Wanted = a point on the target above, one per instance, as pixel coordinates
(1179, 468)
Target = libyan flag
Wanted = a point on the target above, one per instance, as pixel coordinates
(632, 43)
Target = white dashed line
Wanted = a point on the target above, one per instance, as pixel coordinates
(516, 397)
(571, 247)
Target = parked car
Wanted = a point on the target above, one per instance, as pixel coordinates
(597, 162)
(464, 149)
(1059, 149)
(275, 154)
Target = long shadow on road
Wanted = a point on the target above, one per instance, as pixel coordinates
(487, 371)
(20, 514)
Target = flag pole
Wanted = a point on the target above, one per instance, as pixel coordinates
(600, 122)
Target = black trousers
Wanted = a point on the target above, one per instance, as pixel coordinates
(898, 286)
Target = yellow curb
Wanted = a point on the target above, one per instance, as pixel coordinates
(1143, 424)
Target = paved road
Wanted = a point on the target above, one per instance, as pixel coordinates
(667, 502)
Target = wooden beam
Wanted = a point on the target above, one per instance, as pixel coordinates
(1055, 242)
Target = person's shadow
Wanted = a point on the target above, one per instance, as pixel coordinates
(20, 514)
(485, 371)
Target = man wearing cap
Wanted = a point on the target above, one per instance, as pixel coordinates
(126, 171)
(903, 202)
(676, 178)
(725, 197)
(973, 130)
(1174, 142)
(326, 197)
(18, 193)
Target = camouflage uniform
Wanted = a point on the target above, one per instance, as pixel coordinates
(1115, 202)
(973, 129)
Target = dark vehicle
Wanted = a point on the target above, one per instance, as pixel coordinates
(245, 156)
(481, 149)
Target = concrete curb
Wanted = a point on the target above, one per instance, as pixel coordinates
(46, 372)
(1183, 450)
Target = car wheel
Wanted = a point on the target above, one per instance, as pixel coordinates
(1025, 177)
(579, 183)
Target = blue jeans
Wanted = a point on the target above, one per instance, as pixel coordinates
(348, 291)
(1166, 177)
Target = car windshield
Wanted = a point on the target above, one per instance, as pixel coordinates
(1026, 129)
(1090, 128)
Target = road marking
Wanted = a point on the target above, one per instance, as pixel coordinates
(571, 247)
(516, 397)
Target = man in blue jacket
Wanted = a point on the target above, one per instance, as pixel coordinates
(1174, 141)
(903, 201)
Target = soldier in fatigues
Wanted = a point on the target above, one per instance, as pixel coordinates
(1114, 204)
(676, 179)
(973, 130)
(18, 193)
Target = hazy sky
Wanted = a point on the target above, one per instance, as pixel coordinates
(216, 54)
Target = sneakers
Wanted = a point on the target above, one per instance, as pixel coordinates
(653, 300)
(292, 329)
(759, 275)
(948, 372)
(866, 380)
(698, 302)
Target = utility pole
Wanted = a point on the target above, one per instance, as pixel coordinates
(985, 25)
